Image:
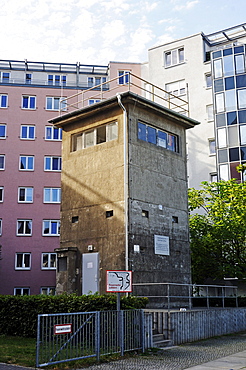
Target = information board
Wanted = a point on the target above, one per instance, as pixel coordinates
(119, 281)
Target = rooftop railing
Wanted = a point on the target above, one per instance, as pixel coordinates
(123, 83)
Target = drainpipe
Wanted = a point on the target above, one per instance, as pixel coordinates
(125, 178)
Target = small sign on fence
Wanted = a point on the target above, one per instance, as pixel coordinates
(62, 329)
(119, 281)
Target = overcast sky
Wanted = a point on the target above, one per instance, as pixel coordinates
(99, 31)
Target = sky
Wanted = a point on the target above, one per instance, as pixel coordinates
(99, 31)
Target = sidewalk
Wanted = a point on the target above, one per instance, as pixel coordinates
(233, 362)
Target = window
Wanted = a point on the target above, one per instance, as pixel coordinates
(26, 163)
(2, 131)
(208, 80)
(48, 290)
(124, 77)
(211, 146)
(221, 137)
(2, 162)
(0, 226)
(93, 101)
(57, 80)
(51, 228)
(217, 68)
(55, 103)
(52, 195)
(1, 194)
(213, 177)
(53, 133)
(48, 261)
(5, 77)
(24, 227)
(52, 163)
(176, 88)
(145, 213)
(28, 102)
(25, 195)
(23, 261)
(3, 101)
(21, 291)
(174, 57)
(241, 98)
(28, 78)
(220, 103)
(210, 112)
(157, 137)
(96, 136)
(27, 132)
(109, 213)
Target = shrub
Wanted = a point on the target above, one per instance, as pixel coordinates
(19, 313)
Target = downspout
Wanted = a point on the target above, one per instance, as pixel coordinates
(125, 177)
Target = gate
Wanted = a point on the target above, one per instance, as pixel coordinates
(74, 336)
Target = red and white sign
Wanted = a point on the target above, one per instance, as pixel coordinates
(62, 329)
(119, 281)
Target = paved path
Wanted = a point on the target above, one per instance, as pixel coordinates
(224, 353)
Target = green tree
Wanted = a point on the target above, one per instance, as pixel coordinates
(218, 231)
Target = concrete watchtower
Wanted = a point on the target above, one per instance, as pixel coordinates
(124, 194)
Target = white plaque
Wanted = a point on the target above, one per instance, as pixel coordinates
(162, 245)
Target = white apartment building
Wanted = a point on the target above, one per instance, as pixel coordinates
(209, 71)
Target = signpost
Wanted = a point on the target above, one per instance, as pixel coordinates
(62, 329)
(119, 282)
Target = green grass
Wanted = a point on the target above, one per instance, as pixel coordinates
(17, 351)
(22, 351)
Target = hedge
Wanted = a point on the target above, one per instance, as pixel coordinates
(19, 313)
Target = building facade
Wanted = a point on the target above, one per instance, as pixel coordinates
(209, 70)
(30, 164)
(124, 194)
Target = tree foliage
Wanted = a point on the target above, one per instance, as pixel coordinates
(218, 232)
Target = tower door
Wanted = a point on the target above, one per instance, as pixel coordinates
(90, 273)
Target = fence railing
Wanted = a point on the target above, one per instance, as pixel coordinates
(123, 83)
(171, 295)
(73, 336)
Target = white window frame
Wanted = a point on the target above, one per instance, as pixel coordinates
(93, 101)
(51, 137)
(28, 127)
(210, 112)
(29, 102)
(27, 190)
(49, 290)
(124, 77)
(54, 100)
(1, 226)
(5, 76)
(213, 175)
(211, 152)
(49, 193)
(27, 158)
(22, 290)
(177, 88)
(50, 168)
(2, 156)
(79, 140)
(2, 194)
(5, 131)
(1, 101)
(23, 267)
(208, 78)
(55, 81)
(50, 222)
(49, 267)
(25, 221)
(175, 57)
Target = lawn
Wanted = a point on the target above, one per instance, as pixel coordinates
(17, 351)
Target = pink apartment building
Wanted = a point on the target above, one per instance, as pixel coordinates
(30, 163)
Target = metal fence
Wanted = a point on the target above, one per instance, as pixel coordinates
(73, 336)
(173, 295)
